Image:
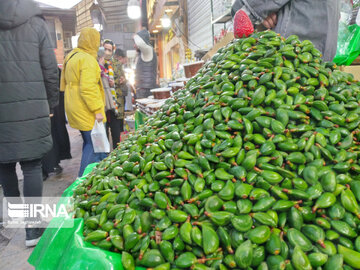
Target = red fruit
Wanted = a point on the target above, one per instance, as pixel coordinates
(242, 24)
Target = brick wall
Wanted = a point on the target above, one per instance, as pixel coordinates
(83, 17)
(59, 50)
(60, 42)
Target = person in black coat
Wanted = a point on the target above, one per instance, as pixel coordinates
(61, 142)
(28, 95)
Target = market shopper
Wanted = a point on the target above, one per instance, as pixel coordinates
(84, 94)
(316, 21)
(28, 95)
(110, 101)
(61, 143)
(115, 118)
(120, 61)
(146, 66)
(121, 86)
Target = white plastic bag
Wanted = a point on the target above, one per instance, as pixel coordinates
(345, 11)
(99, 139)
(357, 20)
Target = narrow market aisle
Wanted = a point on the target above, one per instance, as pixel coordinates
(13, 253)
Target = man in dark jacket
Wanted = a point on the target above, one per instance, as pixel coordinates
(317, 21)
(146, 66)
(28, 94)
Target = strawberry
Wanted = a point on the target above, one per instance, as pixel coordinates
(242, 24)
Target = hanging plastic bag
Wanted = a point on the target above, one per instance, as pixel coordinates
(357, 19)
(348, 47)
(99, 139)
(346, 7)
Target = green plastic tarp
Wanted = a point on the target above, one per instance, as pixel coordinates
(139, 119)
(61, 247)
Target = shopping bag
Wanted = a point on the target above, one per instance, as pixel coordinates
(99, 139)
(348, 47)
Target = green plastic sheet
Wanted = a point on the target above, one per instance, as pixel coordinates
(139, 119)
(64, 248)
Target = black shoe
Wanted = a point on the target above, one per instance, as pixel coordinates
(58, 169)
(45, 176)
(33, 236)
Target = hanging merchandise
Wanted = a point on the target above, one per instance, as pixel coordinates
(348, 46)
(346, 7)
(357, 20)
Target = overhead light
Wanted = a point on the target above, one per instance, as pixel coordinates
(158, 26)
(165, 21)
(134, 9)
(168, 10)
(155, 31)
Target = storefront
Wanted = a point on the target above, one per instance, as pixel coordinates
(61, 24)
(181, 28)
(168, 26)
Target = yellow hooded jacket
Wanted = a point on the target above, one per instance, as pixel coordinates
(81, 81)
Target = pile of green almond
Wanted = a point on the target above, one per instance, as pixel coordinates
(253, 165)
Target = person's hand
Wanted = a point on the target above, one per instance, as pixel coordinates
(51, 115)
(271, 21)
(99, 117)
(111, 83)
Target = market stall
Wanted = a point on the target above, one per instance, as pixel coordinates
(257, 167)
(253, 164)
(148, 106)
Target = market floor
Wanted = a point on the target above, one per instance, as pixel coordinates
(13, 253)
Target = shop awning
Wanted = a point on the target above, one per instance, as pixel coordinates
(115, 11)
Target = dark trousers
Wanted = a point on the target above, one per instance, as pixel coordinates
(60, 137)
(115, 125)
(33, 181)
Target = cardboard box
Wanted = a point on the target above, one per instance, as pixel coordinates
(355, 70)
(222, 43)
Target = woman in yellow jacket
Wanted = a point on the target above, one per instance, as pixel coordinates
(84, 93)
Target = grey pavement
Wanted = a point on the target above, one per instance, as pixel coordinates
(13, 253)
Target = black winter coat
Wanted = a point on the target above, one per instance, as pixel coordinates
(28, 82)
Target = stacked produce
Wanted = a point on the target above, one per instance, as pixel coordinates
(254, 165)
